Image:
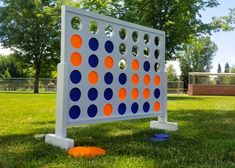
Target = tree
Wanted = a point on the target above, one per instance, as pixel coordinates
(169, 16)
(181, 19)
(106, 7)
(227, 68)
(219, 69)
(31, 29)
(219, 79)
(230, 80)
(171, 73)
(196, 57)
(11, 67)
(232, 69)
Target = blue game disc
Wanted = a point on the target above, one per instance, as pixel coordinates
(154, 139)
(164, 136)
(160, 137)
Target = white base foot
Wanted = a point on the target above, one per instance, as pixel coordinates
(64, 143)
(164, 125)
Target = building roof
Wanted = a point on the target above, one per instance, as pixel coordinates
(210, 74)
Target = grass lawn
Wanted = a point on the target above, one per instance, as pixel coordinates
(206, 135)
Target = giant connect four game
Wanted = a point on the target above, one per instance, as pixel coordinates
(110, 70)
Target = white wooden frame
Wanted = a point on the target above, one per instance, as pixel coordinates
(64, 69)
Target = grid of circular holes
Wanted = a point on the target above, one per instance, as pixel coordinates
(146, 52)
(122, 48)
(146, 39)
(108, 30)
(135, 50)
(156, 53)
(156, 40)
(76, 23)
(135, 36)
(93, 27)
(122, 64)
(156, 66)
(122, 33)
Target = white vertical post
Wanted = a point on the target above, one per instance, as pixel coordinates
(62, 86)
(163, 117)
(162, 122)
(59, 138)
(61, 101)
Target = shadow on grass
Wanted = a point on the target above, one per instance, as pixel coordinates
(25, 92)
(204, 138)
(43, 122)
(26, 151)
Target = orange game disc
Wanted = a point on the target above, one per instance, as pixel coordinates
(93, 77)
(146, 93)
(146, 79)
(135, 79)
(76, 59)
(108, 109)
(135, 65)
(108, 62)
(156, 106)
(135, 93)
(122, 94)
(76, 41)
(157, 80)
(86, 151)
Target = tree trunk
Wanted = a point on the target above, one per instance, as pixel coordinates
(36, 78)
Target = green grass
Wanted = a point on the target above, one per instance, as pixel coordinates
(206, 135)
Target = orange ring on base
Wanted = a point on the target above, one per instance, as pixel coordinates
(86, 151)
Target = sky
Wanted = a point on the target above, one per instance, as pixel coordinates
(224, 40)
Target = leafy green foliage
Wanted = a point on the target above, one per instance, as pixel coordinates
(219, 68)
(10, 66)
(230, 80)
(171, 73)
(224, 22)
(31, 29)
(232, 70)
(227, 68)
(106, 7)
(196, 57)
(122, 64)
(180, 19)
